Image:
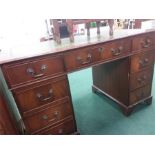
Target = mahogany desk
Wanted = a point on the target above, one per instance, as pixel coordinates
(7, 124)
(36, 75)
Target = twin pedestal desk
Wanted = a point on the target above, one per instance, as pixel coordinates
(122, 67)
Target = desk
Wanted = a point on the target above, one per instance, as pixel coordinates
(7, 125)
(37, 76)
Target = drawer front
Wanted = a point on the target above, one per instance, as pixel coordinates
(140, 94)
(28, 71)
(47, 117)
(143, 42)
(88, 56)
(41, 94)
(82, 57)
(66, 127)
(116, 49)
(141, 61)
(140, 79)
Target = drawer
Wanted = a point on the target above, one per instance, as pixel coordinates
(140, 94)
(82, 57)
(141, 78)
(116, 48)
(66, 127)
(48, 116)
(141, 61)
(37, 68)
(41, 94)
(87, 56)
(143, 42)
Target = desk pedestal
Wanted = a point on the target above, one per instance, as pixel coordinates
(114, 80)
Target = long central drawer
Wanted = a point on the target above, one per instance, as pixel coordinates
(90, 55)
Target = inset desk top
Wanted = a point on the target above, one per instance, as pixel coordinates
(48, 47)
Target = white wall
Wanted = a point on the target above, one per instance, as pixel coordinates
(14, 32)
(19, 30)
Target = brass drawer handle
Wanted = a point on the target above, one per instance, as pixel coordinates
(88, 59)
(116, 52)
(144, 62)
(56, 113)
(146, 43)
(42, 98)
(45, 117)
(31, 72)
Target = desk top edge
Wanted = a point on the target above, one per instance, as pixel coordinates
(51, 47)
